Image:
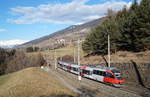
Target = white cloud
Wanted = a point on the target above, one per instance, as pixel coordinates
(12, 42)
(65, 13)
(2, 30)
(139, 1)
(79, 23)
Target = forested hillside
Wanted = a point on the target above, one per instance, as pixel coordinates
(129, 30)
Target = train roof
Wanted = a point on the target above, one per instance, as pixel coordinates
(106, 68)
(93, 66)
(98, 66)
(101, 67)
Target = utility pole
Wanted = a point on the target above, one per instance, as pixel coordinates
(79, 77)
(74, 55)
(74, 49)
(55, 57)
(108, 50)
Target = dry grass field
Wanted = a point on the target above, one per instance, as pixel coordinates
(119, 57)
(50, 54)
(32, 82)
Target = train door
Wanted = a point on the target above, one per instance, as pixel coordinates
(75, 70)
(98, 75)
(69, 67)
(87, 73)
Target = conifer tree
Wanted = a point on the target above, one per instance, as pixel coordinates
(129, 30)
(143, 26)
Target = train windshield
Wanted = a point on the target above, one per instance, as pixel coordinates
(115, 71)
(117, 74)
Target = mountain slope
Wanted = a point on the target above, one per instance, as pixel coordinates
(65, 33)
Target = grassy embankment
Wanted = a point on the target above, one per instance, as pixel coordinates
(32, 82)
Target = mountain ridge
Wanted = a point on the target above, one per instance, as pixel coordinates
(69, 30)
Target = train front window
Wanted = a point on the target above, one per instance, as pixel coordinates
(109, 75)
(115, 71)
(118, 76)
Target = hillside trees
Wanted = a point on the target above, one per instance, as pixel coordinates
(32, 49)
(21, 61)
(13, 60)
(143, 26)
(96, 41)
(4, 54)
(135, 27)
(129, 30)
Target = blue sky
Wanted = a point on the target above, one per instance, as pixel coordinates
(30, 19)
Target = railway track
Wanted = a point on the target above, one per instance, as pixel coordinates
(111, 91)
(127, 91)
(74, 88)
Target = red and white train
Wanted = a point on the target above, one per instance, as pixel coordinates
(101, 74)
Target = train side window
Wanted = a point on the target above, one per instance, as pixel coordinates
(97, 72)
(86, 72)
(104, 73)
(109, 75)
(100, 73)
(94, 71)
(75, 69)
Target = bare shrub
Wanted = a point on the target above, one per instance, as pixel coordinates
(67, 58)
(4, 55)
(21, 61)
(37, 60)
(32, 49)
